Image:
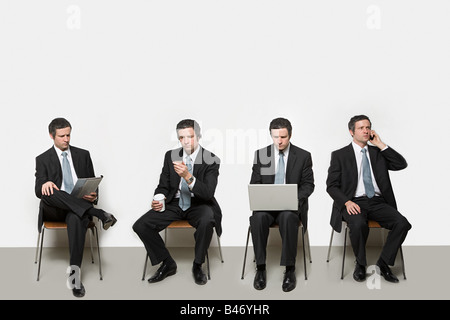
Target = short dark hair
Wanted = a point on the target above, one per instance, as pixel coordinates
(280, 123)
(189, 123)
(58, 123)
(353, 120)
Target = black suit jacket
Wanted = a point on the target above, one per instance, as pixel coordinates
(48, 168)
(298, 171)
(342, 177)
(206, 173)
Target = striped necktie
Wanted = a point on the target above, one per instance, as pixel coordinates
(279, 175)
(367, 176)
(67, 174)
(185, 193)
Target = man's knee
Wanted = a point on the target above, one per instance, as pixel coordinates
(259, 218)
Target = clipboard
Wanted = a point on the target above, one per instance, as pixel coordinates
(85, 186)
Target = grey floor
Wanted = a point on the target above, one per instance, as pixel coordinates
(122, 273)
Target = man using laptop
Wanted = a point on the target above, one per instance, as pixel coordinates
(280, 163)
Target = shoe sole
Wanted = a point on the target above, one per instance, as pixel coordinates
(107, 225)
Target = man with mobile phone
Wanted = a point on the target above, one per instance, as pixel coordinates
(359, 183)
(187, 183)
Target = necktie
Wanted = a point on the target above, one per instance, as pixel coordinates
(185, 193)
(279, 176)
(67, 174)
(367, 177)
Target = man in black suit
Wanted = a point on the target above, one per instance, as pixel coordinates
(57, 171)
(361, 189)
(187, 182)
(281, 162)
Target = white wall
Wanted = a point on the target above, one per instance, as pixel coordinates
(125, 72)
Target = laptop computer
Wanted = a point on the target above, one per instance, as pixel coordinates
(273, 197)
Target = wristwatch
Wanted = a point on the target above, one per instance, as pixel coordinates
(190, 180)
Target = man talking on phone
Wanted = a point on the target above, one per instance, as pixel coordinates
(358, 181)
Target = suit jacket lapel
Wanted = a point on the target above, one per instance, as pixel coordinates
(271, 154)
(354, 170)
(198, 162)
(373, 162)
(290, 163)
(55, 163)
(75, 160)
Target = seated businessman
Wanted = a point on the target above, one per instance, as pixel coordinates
(281, 163)
(358, 181)
(187, 182)
(57, 171)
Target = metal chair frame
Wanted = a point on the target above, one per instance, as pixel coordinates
(373, 225)
(60, 226)
(184, 224)
(305, 236)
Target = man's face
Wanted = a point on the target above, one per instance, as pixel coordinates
(62, 138)
(362, 132)
(188, 139)
(280, 138)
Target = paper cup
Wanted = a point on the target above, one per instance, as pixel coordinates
(160, 197)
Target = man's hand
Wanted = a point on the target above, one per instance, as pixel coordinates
(352, 208)
(181, 169)
(156, 205)
(90, 197)
(376, 141)
(47, 188)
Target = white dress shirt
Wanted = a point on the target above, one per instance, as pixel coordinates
(360, 190)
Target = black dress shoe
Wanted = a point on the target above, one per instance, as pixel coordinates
(163, 271)
(79, 292)
(360, 272)
(259, 282)
(387, 273)
(108, 221)
(199, 276)
(289, 281)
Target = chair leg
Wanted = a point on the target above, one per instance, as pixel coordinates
(220, 248)
(308, 246)
(145, 266)
(40, 254)
(98, 251)
(343, 255)
(304, 255)
(245, 254)
(90, 241)
(37, 247)
(329, 247)
(207, 265)
(403, 263)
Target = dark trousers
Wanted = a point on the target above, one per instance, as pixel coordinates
(63, 207)
(388, 217)
(288, 222)
(148, 227)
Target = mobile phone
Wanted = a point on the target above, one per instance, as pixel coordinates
(371, 137)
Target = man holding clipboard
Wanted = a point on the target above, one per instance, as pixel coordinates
(57, 172)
